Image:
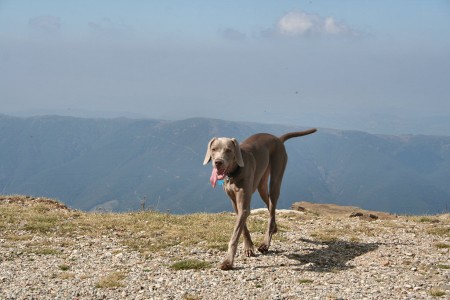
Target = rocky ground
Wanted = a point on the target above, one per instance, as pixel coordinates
(318, 257)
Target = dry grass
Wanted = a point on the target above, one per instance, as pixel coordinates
(442, 230)
(64, 267)
(191, 264)
(438, 225)
(346, 232)
(66, 275)
(305, 281)
(113, 280)
(39, 223)
(44, 251)
(426, 219)
(445, 267)
(326, 235)
(442, 245)
(437, 292)
(144, 231)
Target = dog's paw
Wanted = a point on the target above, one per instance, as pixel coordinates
(226, 265)
(263, 249)
(249, 252)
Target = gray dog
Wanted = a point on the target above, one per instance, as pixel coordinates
(245, 168)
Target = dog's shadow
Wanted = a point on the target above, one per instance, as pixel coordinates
(329, 256)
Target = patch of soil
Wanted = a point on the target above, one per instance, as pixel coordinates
(329, 209)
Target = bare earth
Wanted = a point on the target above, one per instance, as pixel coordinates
(321, 256)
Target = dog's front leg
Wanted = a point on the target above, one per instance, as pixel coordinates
(248, 244)
(243, 211)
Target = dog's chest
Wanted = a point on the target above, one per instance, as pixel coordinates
(229, 185)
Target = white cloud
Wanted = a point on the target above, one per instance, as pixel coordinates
(299, 23)
(331, 27)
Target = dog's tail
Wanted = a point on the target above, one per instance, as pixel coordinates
(290, 135)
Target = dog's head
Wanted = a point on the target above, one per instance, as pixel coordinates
(225, 154)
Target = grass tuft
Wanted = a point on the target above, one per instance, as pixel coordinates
(437, 292)
(191, 264)
(442, 245)
(427, 219)
(305, 281)
(66, 275)
(443, 231)
(444, 267)
(113, 280)
(45, 251)
(64, 267)
(325, 236)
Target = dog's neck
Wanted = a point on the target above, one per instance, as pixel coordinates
(234, 171)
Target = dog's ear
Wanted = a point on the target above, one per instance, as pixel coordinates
(208, 152)
(238, 153)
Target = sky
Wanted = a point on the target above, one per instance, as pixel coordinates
(289, 62)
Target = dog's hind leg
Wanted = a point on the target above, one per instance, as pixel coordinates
(276, 177)
(263, 188)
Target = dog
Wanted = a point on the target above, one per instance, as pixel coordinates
(244, 168)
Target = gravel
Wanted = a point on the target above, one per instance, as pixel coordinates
(390, 259)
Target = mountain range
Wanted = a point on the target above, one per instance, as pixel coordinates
(128, 164)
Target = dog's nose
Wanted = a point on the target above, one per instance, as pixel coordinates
(218, 163)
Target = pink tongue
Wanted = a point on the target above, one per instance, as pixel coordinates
(214, 177)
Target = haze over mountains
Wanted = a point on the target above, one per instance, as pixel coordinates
(381, 122)
(114, 163)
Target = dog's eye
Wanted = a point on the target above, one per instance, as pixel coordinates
(228, 150)
(213, 149)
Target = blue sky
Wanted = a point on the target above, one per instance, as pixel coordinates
(273, 61)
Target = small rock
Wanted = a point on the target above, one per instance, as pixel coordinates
(356, 214)
(374, 217)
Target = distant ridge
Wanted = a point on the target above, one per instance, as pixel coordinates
(122, 164)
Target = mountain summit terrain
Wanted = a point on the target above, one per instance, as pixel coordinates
(48, 251)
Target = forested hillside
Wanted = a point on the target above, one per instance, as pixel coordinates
(115, 163)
